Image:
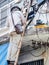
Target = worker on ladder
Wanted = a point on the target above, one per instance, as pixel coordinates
(16, 29)
(15, 21)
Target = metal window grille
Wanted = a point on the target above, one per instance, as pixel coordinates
(37, 62)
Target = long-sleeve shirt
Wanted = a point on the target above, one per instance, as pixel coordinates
(18, 19)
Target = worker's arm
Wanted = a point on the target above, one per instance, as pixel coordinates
(23, 19)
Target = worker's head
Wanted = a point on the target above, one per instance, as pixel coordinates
(15, 8)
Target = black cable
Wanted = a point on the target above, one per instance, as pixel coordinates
(40, 39)
(43, 51)
(33, 50)
(36, 27)
(39, 54)
(39, 16)
(38, 36)
(23, 53)
(41, 3)
(46, 43)
(35, 13)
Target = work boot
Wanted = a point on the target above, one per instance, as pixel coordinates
(9, 62)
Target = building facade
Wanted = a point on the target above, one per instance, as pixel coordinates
(4, 10)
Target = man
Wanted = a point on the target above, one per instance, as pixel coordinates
(18, 18)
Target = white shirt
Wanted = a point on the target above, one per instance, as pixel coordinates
(18, 18)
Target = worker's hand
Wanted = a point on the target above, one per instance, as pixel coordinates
(18, 29)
